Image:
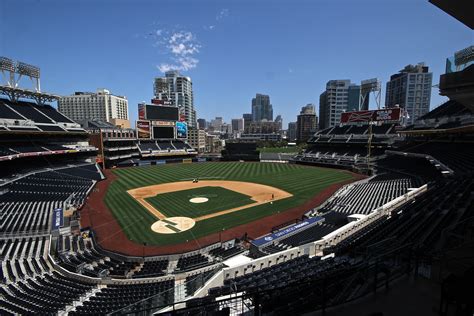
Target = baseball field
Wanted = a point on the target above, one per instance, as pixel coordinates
(171, 204)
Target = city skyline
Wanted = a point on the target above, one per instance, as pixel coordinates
(210, 42)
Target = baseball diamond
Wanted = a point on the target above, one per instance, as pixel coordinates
(238, 193)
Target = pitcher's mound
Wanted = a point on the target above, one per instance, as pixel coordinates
(199, 200)
(172, 225)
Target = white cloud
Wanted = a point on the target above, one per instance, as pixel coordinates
(222, 14)
(181, 63)
(183, 43)
(180, 47)
(165, 67)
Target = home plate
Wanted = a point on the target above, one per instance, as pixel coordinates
(172, 225)
(199, 200)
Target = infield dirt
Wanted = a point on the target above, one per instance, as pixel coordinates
(259, 193)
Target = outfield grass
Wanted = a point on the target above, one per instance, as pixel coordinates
(177, 203)
(303, 182)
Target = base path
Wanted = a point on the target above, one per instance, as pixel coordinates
(259, 193)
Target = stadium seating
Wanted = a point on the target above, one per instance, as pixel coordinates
(404, 166)
(114, 297)
(28, 202)
(7, 113)
(47, 294)
(363, 198)
(148, 146)
(456, 155)
(225, 253)
(30, 112)
(78, 256)
(447, 109)
(192, 262)
(152, 269)
(277, 276)
(165, 145)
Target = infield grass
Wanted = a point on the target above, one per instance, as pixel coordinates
(304, 182)
(177, 203)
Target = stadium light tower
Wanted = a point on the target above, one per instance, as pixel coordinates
(373, 85)
(12, 72)
(32, 72)
(7, 66)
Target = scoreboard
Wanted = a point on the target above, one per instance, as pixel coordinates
(157, 112)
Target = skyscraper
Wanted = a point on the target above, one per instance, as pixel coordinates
(238, 125)
(179, 90)
(410, 88)
(279, 120)
(247, 118)
(261, 108)
(202, 124)
(340, 96)
(291, 131)
(307, 123)
(216, 124)
(323, 113)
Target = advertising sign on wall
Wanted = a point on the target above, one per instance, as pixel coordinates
(143, 129)
(181, 130)
(141, 111)
(384, 115)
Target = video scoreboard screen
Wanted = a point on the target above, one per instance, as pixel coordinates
(158, 112)
(163, 132)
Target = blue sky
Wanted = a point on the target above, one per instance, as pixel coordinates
(230, 49)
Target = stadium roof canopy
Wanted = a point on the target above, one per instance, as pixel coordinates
(461, 10)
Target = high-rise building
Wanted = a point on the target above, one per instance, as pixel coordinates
(410, 88)
(100, 106)
(340, 96)
(323, 111)
(247, 118)
(291, 131)
(179, 90)
(226, 129)
(202, 124)
(279, 120)
(262, 108)
(216, 124)
(263, 127)
(307, 123)
(353, 99)
(238, 125)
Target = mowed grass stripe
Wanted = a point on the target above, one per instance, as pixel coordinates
(302, 181)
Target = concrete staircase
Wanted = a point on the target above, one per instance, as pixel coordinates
(134, 270)
(180, 288)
